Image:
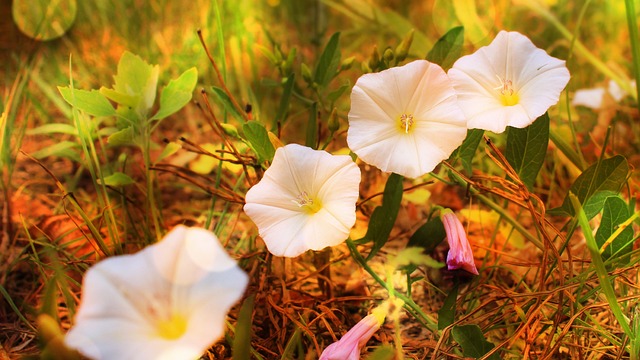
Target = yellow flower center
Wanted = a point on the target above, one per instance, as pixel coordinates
(508, 97)
(405, 122)
(307, 204)
(172, 328)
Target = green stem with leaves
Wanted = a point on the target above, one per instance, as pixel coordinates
(413, 308)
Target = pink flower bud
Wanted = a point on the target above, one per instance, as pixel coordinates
(349, 346)
(460, 255)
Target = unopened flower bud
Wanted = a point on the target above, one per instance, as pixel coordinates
(347, 63)
(388, 55)
(306, 73)
(334, 121)
(365, 67)
(403, 48)
(460, 255)
(349, 346)
(230, 130)
(374, 62)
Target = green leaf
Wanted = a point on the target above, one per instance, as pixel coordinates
(122, 137)
(66, 149)
(429, 235)
(171, 148)
(472, 341)
(53, 129)
(335, 95)
(242, 340)
(226, 102)
(128, 100)
(177, 93)
(258, 139)
(413, 256)
(448, 48)
(594, 185)
(136, 77)
(615, 213)
(329, 62)
(92, 102)
(384, 352)
(117, 179)
(312, 127)
(527, 148)
(283, 109)
(447, 313)
(468, 149)
(384, 216)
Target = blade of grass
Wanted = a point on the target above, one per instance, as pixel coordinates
(579, 47)
(635, 43)
(601, 271)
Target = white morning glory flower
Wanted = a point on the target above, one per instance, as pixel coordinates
(168, 301)
(405, 119)
(306, 200)
(510, 82)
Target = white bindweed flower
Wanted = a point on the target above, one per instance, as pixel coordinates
(168, 301)
(510, 82)
(600, 97)
(306, 200)
(405, 119)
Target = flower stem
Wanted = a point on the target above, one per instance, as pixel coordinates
(635, 44)
(413, 308)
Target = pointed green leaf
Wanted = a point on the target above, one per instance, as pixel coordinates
(92, 102)
(615, 213)
(429, 235)
(594, 185)
(177, 93)
(258, 139)
(283, 109)
(128, 100)
(336, 94)
(66, 149)
(329, 61)
(122, 137)
(468, 149)
(312, 127)
(527, 148)
(53, 129)
(226, 102)
(242, 340)
(384, 216)
(117, 179)
(448, 48)
(171, 148)
(472, 341)
(447, 313)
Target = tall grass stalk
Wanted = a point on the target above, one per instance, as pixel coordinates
(634, 42)
(601, 271)
(84, 128)
(10, 139)
(580, 48)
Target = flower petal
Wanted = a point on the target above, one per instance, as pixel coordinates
(126, 299)
(510, 64)
(419, 89)
(298, 172)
